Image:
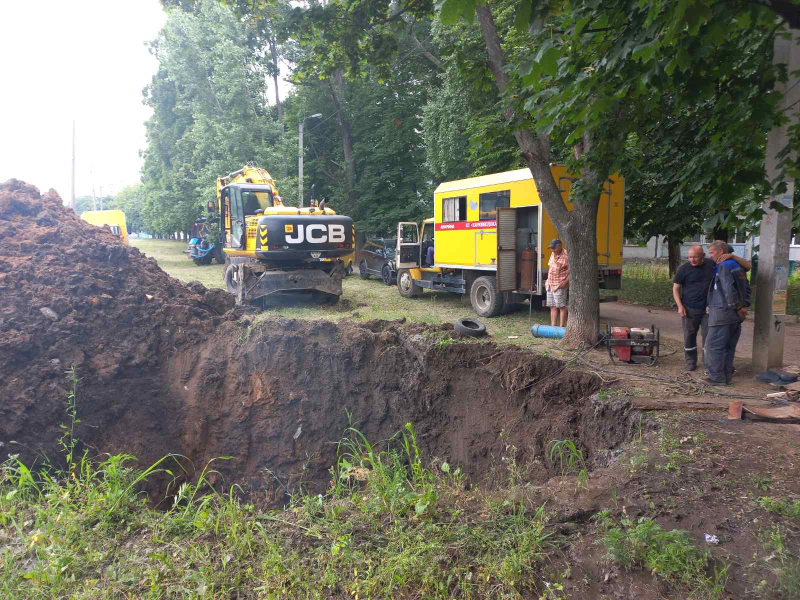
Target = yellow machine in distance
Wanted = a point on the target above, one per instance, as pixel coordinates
(113, 219)
(490, 236)
(271, 247)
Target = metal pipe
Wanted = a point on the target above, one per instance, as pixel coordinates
(548, 331)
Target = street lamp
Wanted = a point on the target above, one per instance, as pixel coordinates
(300, 156)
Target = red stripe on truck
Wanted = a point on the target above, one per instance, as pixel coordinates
(460, 225)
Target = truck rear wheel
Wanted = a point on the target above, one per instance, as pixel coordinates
(486, 300)
(406, 285)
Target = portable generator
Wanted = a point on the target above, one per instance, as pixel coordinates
(633, 345)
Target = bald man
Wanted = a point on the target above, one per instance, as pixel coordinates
(690, 290)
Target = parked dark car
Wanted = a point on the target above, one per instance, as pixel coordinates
(377, 258)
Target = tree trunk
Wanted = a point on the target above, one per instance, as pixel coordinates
(337, 92)
(674, 252)
(274, 51)
(578, 227)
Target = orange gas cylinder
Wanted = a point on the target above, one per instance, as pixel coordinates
(528, 268)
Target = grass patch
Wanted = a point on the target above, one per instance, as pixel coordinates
(650, 285)
(780, 506)
(669, 555)
(570, 460)
(361, 300)
(388, 527)
(783, 564)
(644, 283)
(170, 257)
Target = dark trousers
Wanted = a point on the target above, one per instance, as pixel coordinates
(719, 350)
(695, 320)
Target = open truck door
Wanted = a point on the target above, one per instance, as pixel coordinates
(409, 248)
(236, 217)
(506, 249)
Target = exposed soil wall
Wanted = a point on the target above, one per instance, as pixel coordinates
(170, 368)
(279, 401)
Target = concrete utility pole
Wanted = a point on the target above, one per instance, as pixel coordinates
(72, 196)
(94, 196)
(300, 155)
(776, 227)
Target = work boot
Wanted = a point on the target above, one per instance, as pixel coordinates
(690, 366)
(709, 381)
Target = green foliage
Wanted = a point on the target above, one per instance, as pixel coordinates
(210, 115)
(93, 535)
(670, 555)
(68, 441)
(694, 78)
(780, 506)
(785, 567)
(465, 134)
(570, 460)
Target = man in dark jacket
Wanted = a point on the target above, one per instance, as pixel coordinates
(728, 301)
(690, 290)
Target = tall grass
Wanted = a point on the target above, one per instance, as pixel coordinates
(388, 527)
(650, 284)
(644, 283)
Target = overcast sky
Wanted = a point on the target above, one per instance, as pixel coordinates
(75, 59)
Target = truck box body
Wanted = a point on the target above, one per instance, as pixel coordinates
(466, 222)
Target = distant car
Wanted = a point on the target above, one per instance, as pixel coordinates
(377, 258)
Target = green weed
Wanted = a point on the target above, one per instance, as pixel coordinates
(670, 555)
(570, 460)
(782, 562)
(762, 483)
(780, 506)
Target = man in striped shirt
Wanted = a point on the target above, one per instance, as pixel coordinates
(557, 284)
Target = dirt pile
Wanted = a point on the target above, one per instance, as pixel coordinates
(169, 368)
(72, 294)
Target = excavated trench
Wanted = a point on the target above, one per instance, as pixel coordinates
(278, 396)
(166, 367)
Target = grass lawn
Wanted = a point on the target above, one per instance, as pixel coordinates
(170, 257)
(361, 300)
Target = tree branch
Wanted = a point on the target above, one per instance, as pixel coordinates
(430, 56)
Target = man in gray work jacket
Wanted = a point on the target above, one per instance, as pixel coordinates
(728, 301)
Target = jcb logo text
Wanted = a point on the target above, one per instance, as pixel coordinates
(317, 234)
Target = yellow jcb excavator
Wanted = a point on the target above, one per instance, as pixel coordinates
(270, 247)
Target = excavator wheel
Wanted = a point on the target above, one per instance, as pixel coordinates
(230, 281)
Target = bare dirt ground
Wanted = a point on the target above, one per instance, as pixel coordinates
(669, 321)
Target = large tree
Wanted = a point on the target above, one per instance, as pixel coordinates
(593, 69)
(210, 113)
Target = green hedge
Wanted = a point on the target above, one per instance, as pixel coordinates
(651, 285)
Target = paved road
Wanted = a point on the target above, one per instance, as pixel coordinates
(669, 322)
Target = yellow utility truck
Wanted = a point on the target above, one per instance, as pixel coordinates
(270, 247)
(113, 219)
(490, 235)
